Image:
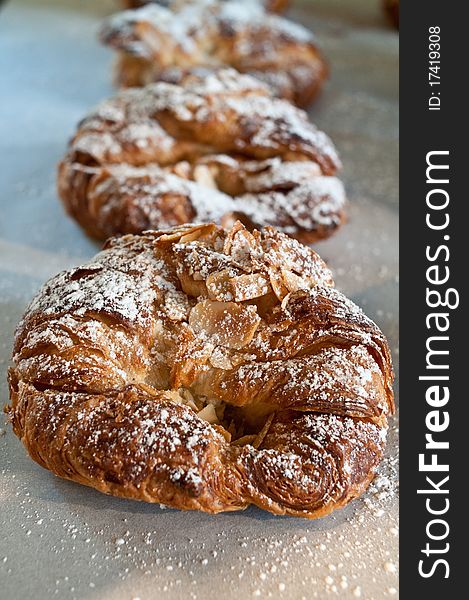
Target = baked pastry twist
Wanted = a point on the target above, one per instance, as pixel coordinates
(270, 5)
(155, 43)
(216, 148)
(392, 9)
(205, 369)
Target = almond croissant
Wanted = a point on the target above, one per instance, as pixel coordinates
(205, 369)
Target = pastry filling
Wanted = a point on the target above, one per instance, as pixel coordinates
(229, 420)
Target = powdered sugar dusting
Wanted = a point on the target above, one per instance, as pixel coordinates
(151, 161)
(151, 357)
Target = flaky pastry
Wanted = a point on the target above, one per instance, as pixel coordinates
(216, 148)
(204, 369)
(156, 43)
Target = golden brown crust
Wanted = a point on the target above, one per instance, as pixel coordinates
(217, 148)
(205, 369)
(155, 43)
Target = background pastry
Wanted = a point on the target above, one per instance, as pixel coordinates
(392, 9)
(270, 5)
(205, 369)
(156, 43)
(216, 148)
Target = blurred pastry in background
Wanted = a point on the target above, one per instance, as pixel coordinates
(215, 148)
(270, 5)
(392, 9)
(155, 43)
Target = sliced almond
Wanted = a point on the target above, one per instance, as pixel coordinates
(199, 232)
(203, 175)
(190, 359)
(240, 244)
(226, 434)
(191, 286)
(242, 441)
(294, 282)
(283, 253)
(223, 286)
(265, 304)
(149, 389)
(263, 432)
(175, 235)
(220, 360)
(277, 283)
(248, 287)
(208, 414)
(174, 396)
(219, 285)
